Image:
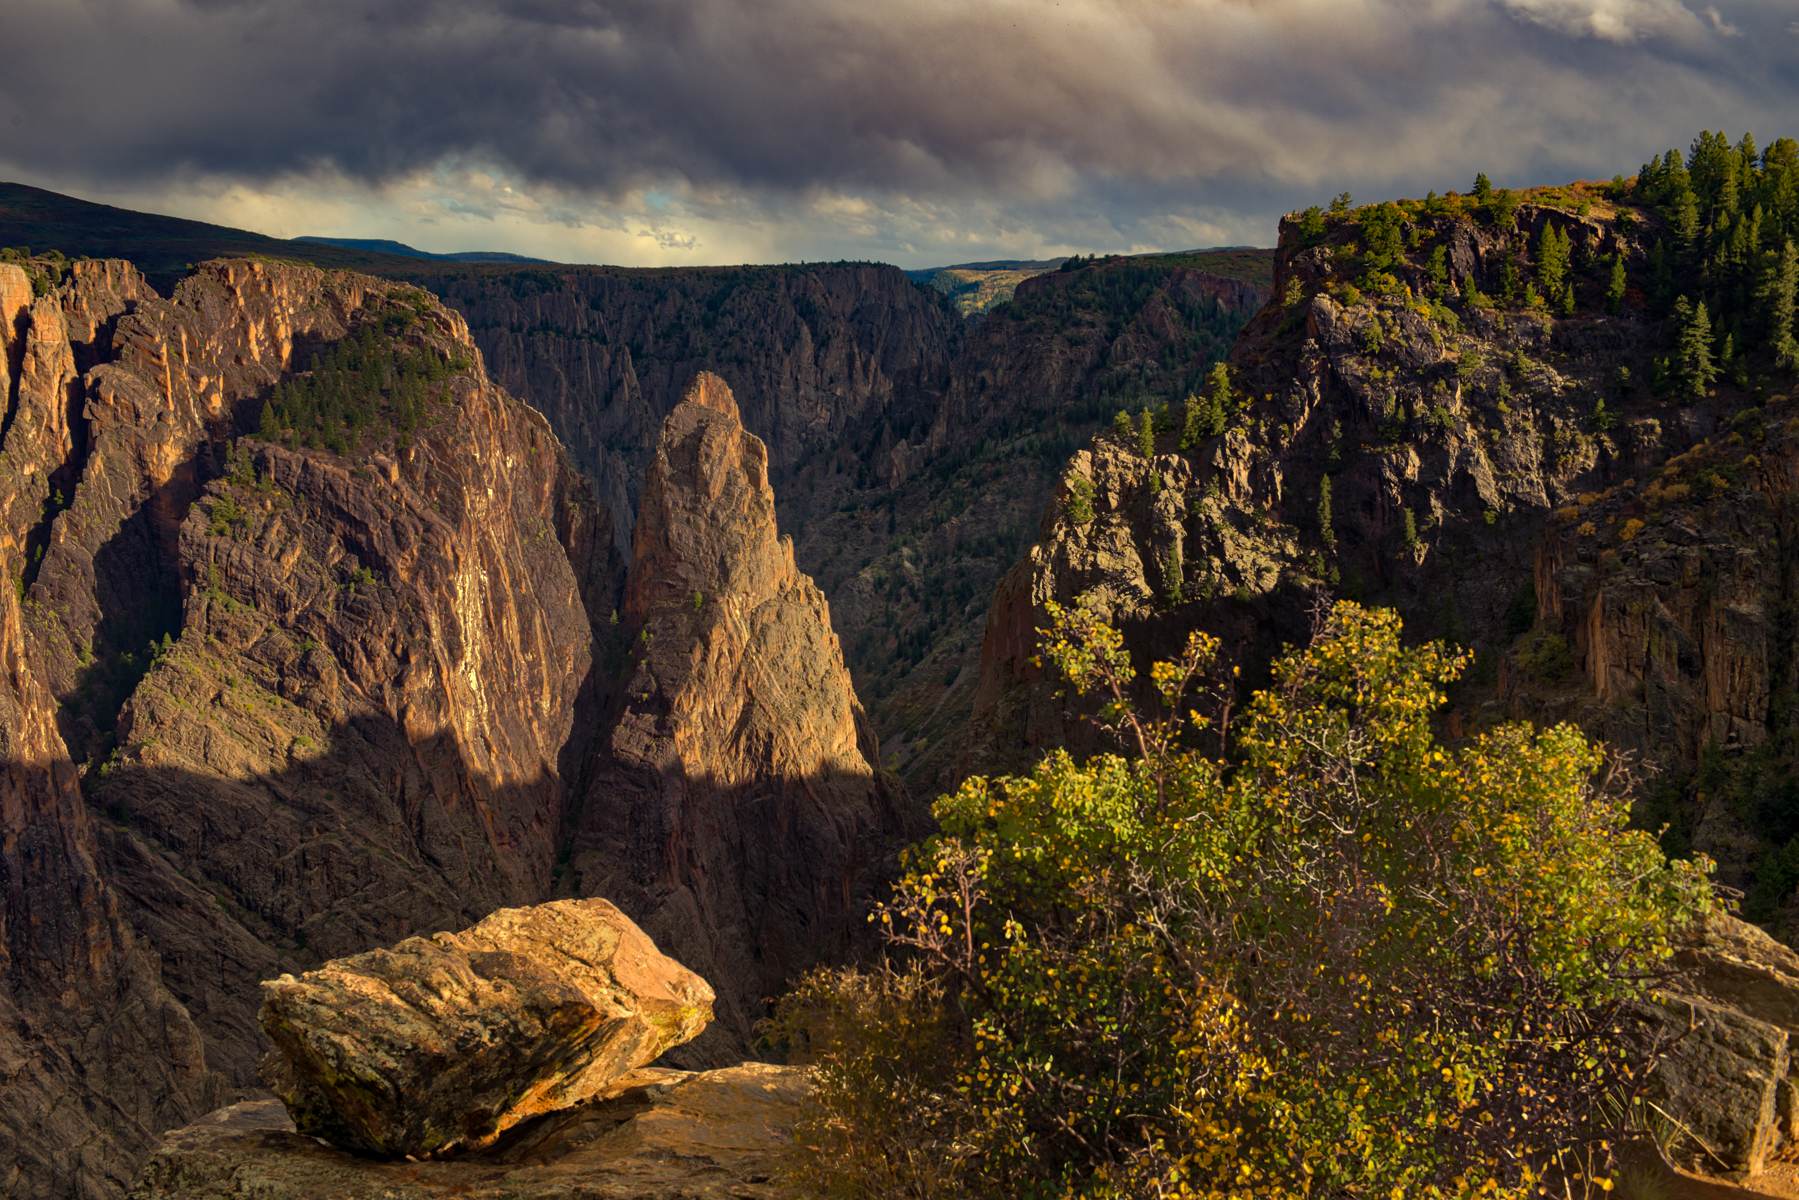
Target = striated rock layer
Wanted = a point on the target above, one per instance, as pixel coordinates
(444, 1043)
(734, 809)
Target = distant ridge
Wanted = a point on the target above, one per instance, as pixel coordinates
(383, 246)
(163, 248)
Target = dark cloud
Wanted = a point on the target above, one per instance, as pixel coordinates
(1229, 105)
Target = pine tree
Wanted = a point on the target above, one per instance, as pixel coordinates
(1311, 225)
(268, 427)
(1204, 419)
(1504, 207)
(1661, 278)
(1782, 283)
(1694, 369)
(1508, 275)
(1146, 435)
(1219, 384)
(1685, 219)
(1483, 187)
(1614, 290)
(1552, 259)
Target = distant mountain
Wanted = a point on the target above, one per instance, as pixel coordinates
(383, 246)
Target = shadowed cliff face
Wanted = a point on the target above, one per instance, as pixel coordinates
(605, 354)
(734, 808)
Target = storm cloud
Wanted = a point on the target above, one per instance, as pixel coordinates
(1003, 119)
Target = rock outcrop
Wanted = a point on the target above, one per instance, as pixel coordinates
(444, 1043)
(1728, 1089)
(716, 1135)
(1383, 447)
(354, 730)
(316, 703)
(734, 807)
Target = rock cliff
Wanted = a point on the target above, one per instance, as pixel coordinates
(815, 351)
(319, 702)
(333, 640)
(96, 1056)
(1503, 473)
(911, 452)
(734, 806)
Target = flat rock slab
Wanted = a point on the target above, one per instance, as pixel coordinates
(668, 1134)
(443, 1043)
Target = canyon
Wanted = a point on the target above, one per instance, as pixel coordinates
(274, 696)
(688, 589)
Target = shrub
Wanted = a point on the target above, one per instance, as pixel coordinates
(1546, 657)
(1080, 500)
(1344, 961)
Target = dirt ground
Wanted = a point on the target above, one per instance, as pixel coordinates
(1650, 1177)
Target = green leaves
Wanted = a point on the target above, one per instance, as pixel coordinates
(1344, 958)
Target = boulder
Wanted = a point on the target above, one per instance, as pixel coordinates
(1720, 1086)
(443, 1043)
(1727, 1086)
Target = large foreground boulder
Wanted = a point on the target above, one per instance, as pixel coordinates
(445, 1042)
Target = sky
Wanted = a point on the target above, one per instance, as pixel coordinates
(918, 132)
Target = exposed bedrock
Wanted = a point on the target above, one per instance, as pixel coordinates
(734, 807)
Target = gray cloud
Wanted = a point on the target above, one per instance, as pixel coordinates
(1083, 113)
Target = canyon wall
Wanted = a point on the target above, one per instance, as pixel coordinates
(312, 641)
(1503, 475)
(97, 1058)
(735, 807)
(911, 451)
